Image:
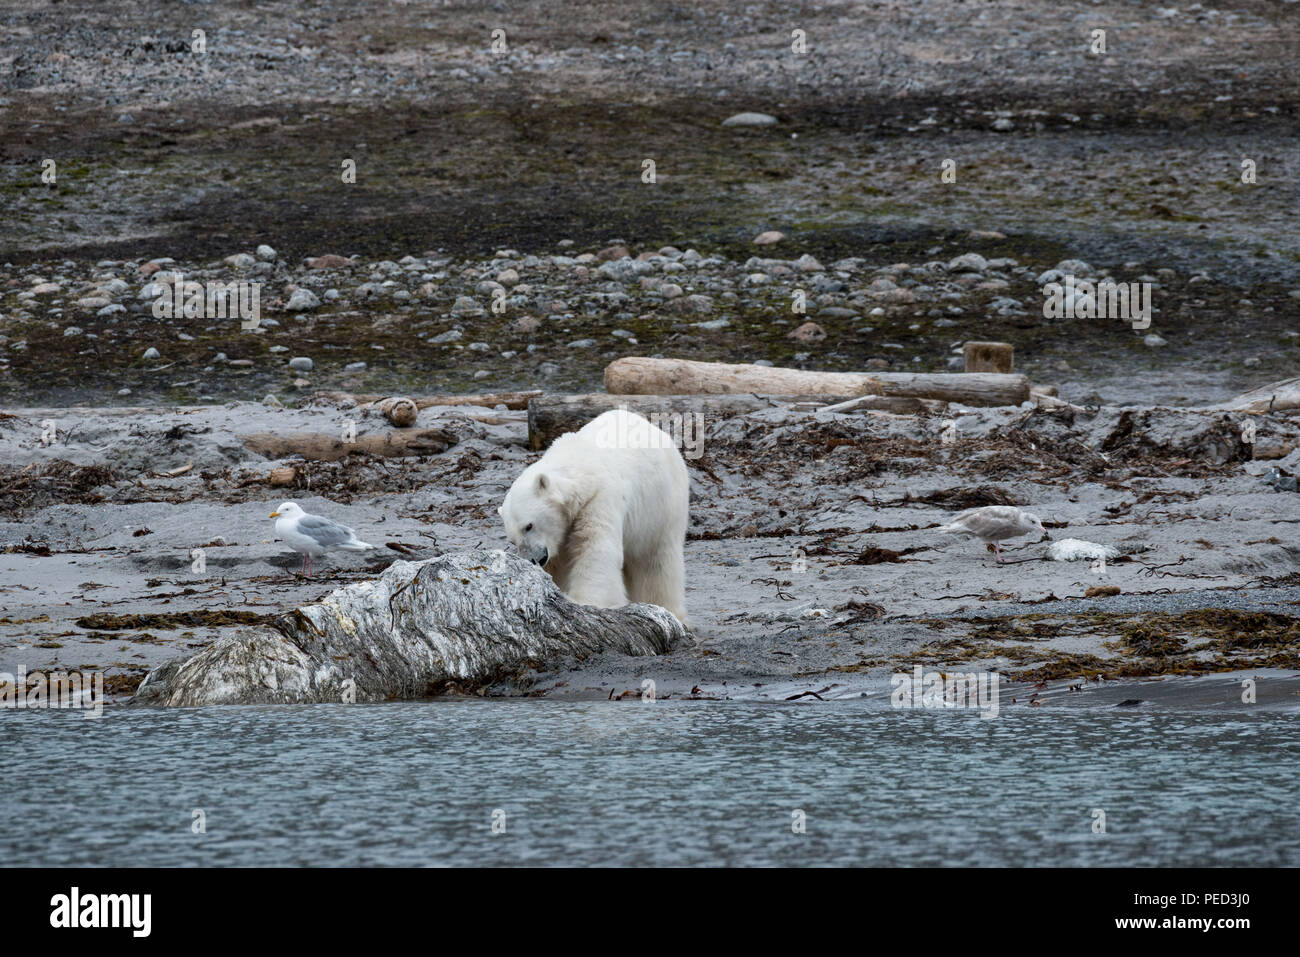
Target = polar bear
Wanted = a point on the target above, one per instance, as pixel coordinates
(604, 511)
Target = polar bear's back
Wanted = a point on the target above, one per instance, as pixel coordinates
(623, 444)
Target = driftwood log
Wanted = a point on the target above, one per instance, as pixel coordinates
(490, 400)
(636, 375)
(550, 416)
(898, 405)
(319, 447)
(458, 622)
(1274, 397)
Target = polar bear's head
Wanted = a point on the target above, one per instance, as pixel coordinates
(536, 513)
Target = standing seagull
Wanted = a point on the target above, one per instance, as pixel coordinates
(312, 535)
(993, 524)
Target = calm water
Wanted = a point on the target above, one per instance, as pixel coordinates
(663, 783)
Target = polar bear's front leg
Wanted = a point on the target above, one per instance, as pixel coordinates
(595, 576)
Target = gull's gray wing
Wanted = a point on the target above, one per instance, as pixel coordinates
(324, 531)
(993, 522)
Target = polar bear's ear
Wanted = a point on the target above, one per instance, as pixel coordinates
(552, 487)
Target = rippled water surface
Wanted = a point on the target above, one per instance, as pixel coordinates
(666, 783)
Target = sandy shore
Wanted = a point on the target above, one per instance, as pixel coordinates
(812, 560)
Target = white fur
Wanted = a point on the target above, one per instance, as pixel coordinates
(605, 512)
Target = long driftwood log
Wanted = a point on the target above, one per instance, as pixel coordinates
(461, 621)
(637, 375)
(490, 400)
(319, 447)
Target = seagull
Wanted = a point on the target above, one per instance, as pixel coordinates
(993, 524)
(312, 535)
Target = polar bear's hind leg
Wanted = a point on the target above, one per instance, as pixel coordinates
(659, 578)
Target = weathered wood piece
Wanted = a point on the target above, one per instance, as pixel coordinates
(319, 447)
(490, 400)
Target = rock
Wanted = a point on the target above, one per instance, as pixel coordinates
(969, 262)
(508, 277)
(151, 353)
(750, 119)
(46, 288)
(72, 331)
(1003, 125)
(328, 261)
(111, 310)
(1154, 341)
(985, 234)
(460, 621)
(807, 263)
(695, 305)
(300, 364)
(239, 261)
(271, 401)
(302, 300)
(1074, 267)
(265, 253)
(527, 324)
(92, 302)
(809, 332)
(465, 306)
(112, 289)
(355, 367)
(612, 253)
(1279, 481)
(768, 238)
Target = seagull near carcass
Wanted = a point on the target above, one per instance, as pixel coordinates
(312, 535)
(993, 524)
